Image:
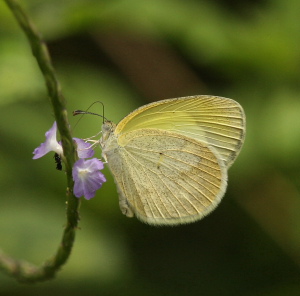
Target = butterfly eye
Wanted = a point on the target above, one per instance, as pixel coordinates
(107, 128)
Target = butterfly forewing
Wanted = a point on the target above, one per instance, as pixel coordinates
(217, 121)
(167, 178)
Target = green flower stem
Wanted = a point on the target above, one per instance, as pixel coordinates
(21, 270)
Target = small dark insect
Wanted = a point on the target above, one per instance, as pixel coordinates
(58, 162)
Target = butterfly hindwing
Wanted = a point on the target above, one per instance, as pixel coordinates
(166, 178)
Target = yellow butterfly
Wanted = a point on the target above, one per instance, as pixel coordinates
(170, 158)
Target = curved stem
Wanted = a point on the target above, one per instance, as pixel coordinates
(21, 270)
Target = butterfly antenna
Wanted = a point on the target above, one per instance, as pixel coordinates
(82, 112)
(102, 109)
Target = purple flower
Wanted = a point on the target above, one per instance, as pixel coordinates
(84, 149)
(86, 173)
(87, 177)
(50, 144)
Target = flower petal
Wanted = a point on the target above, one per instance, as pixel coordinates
(87, 177)
(50, 144)
(84, 149)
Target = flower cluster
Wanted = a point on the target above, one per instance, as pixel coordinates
(86, 172)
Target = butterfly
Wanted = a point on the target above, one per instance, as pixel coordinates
(170, 158)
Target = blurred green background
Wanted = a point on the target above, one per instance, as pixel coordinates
(127, 53)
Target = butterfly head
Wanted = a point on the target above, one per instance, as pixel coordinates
(108, 128)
